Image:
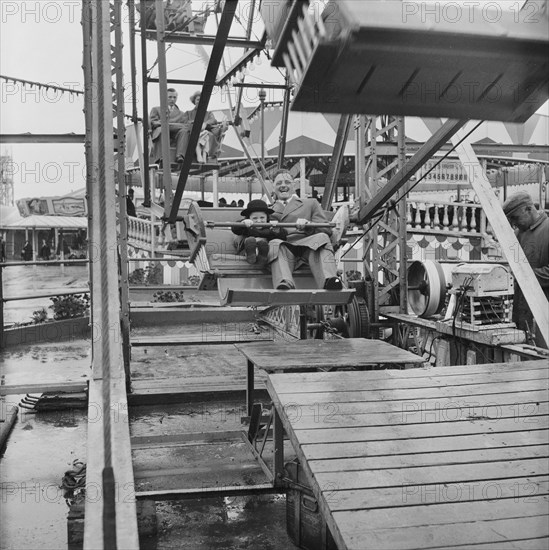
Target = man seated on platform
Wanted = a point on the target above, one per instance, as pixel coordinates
(209, 143)
(533, 235)
(179, 129)
(310, 245)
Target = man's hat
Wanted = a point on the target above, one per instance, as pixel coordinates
(515, 201)
(256, 205)
(194, 96)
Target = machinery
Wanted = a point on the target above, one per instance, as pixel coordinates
(480, 294)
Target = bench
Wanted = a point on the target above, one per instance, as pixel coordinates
(213, 252)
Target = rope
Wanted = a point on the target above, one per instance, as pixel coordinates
(109, 520)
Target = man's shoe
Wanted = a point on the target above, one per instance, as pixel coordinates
(262, 252)
(180, 159)
(333, 283)
(285, 285)
(250, 246)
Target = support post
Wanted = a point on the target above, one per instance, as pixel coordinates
(162, 87)
(145, 98)
(302, 178)
(336, 162)
(215, 187)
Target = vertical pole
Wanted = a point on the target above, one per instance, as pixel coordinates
(1, 306)
(373, 184)
(162, 87)
(284, 123)
(145, 96)
(402, 232)
(262, 96)
(215, 181)
(360, 158)
(122, 195)
(278, 437)
(302, 179)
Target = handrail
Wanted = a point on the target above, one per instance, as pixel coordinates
(212, 224)
(47, 295)
(45, 262)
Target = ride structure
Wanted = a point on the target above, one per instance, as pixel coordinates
(302, 43)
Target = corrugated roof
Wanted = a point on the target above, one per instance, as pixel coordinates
(47, 222)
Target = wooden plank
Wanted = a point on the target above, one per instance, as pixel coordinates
(68, 386)
(342, 381)
(326, 354)
(410, 431)
(439, 372)
(444, 458)
(481, 471)
(444, 408)
(425, 445)
(178, 440)
(444, 514)
(516, 544)
(517, 489)
(467, 533)
(522, 271)
(182, 340)
(527, 415)
(411, 394)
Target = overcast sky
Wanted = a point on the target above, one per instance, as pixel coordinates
(41, 40)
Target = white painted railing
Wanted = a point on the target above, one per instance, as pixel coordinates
(145, 233)
(467, 219)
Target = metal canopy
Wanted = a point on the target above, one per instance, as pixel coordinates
(393, 58)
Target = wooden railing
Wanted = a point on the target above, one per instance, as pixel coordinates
(454, 218)
(145, 233)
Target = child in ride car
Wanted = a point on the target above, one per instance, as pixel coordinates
(255, 240)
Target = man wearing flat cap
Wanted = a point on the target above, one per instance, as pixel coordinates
(533, 235)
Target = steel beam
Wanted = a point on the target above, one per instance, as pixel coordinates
(336, 161)
(426, 151)
(207, 40)
(209, 82)
(42, 138)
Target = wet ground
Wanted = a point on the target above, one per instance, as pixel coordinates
(41, 448)
(25, 280)
(33, 511)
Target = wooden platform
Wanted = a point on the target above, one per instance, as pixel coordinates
(490, 336)
(453, 457)
(320, 354)
(316, 354)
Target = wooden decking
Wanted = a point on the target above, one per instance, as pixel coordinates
(451, 457)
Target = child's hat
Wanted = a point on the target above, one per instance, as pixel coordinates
(256, 205)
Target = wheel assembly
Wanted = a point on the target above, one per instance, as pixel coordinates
(350, 321)
(426, 288)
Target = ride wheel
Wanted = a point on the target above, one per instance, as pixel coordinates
(426, 288)
(349, 321)
(315, 322)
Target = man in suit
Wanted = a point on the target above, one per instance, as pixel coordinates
(311, 245)
(179, 128)
(209, 143)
